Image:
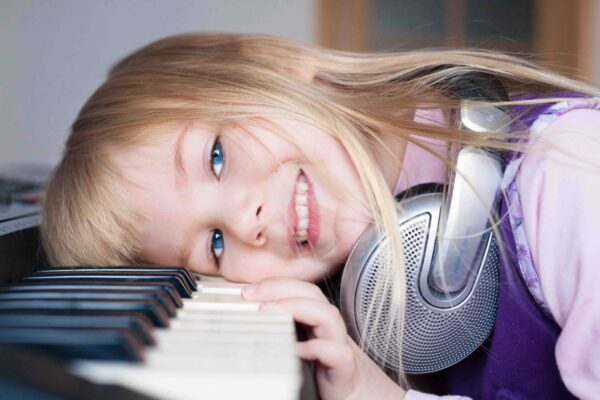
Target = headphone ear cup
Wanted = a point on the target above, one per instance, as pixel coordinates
(434, 337)
(445, 319)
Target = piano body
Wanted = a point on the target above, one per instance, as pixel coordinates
(131, 332)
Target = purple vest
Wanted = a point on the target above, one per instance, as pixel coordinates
(517, 361)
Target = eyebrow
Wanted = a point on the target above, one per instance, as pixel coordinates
(183, 256)
(181, 178)
(181, 174)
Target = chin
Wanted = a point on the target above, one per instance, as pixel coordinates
(329, 271)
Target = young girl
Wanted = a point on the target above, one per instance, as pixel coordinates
(263, 160)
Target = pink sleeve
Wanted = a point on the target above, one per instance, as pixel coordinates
(414, 395)
(561, 208)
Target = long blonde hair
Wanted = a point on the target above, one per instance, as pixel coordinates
(215, 77)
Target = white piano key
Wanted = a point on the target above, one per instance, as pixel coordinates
(229, 326)
(190, 385)
(224, 337)
(255, 365)
(221, 290)
(219, 350)
(212, 278)
(220, 282)
(232, 315)
(204, 301)
(221, 287)
(216, 339)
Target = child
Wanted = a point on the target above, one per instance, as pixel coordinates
(263, 160)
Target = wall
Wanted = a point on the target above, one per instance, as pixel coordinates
(595, 46)
(54, 53)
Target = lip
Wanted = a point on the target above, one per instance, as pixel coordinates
(313, 218)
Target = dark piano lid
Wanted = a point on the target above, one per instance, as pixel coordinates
(21, 189)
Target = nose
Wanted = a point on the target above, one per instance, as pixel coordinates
(247, 220)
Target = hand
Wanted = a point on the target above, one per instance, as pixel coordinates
(343, 370)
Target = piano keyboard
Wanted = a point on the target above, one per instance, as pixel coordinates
(159, 332)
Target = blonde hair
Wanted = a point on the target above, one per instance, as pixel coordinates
(214, 77)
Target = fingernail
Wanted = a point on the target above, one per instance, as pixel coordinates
(268, 304)
(249, 290)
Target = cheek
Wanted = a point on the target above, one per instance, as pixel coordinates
(251, 268)
(265, 146)
(250, 161)
(254, 268)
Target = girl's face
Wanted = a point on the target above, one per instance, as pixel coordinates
(243, 202)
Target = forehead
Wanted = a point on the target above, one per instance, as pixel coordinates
(148, 171)
(155, 149)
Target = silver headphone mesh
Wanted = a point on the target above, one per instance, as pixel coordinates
(434, 338)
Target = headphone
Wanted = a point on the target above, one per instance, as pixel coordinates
(450, 250)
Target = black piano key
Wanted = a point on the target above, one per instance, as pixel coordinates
(28, 375)
(173, 275)
(182, 289)
(70, 344)
(183, 272)
(138, 326)
(91, 295)
(165, 288)
(148, 308)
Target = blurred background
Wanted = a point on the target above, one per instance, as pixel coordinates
(54, 53)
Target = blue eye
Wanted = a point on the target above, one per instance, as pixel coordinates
(217, 158)
(217, 244)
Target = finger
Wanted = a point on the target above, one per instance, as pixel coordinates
(331, 354)
(279, 288)
(324, 318)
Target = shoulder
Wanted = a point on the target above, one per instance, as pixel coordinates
(568, 137)
(559, 186)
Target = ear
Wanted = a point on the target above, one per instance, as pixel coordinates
(304, 67)
(306, 72)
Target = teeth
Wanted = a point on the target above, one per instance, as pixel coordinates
(302, 224)
(301, 186)
(301, 237)
(301, 212)
(301, 206)
(301, 200)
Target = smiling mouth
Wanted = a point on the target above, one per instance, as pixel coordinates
(304, 212)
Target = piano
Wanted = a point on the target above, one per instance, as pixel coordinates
(131, 332)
